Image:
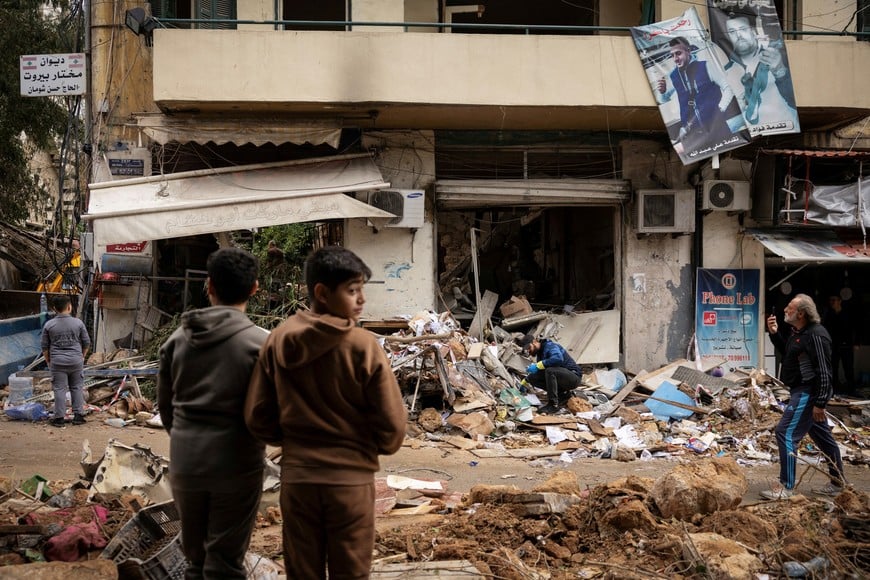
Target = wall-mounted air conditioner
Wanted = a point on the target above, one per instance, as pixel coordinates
(665, 211)
(725, 195)
(407, 205)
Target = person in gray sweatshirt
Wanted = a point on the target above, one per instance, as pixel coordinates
(215, 464)
(65, 345)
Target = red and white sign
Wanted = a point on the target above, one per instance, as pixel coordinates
(128, 248)
(709, 318)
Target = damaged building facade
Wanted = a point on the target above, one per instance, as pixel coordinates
(519, 144)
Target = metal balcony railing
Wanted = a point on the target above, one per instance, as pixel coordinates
(453, 26)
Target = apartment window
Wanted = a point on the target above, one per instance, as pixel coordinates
(541, 12)
(320, 11)
(216, 10)
(196, 9)
(181, 9)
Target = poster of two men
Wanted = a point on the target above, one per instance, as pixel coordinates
(715, 96)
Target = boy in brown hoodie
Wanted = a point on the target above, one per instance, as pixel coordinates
(323, 391)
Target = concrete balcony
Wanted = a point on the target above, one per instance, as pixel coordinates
(459, 81)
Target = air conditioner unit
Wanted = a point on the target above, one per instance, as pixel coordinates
(407, 205)
(725, 195)
(665, 211)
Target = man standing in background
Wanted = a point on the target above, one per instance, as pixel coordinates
(839, 324)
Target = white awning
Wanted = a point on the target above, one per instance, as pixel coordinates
(233, 198)
(812, 246)
(238, 131)
(470, 193)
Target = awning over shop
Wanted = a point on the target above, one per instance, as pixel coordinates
(232, 198)
(238, 131)
(459, 193)
(812, 246)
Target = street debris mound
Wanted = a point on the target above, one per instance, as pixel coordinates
(616, 530)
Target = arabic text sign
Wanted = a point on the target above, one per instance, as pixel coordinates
(726, 315)
(49, 75)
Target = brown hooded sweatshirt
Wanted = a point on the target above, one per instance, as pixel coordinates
(324, 391)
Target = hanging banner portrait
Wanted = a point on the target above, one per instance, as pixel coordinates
(697, 104)
(756, 64)
(726, 316)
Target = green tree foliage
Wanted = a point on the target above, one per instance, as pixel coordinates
(294, 240)
(29, 27)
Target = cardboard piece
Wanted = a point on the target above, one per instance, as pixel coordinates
(515, 306)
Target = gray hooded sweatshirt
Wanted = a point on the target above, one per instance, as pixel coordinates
(203, 379)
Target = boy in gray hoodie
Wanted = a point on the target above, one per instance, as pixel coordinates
(216, 465)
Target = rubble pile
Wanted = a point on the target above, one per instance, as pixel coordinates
(105, 521)
(467, 393)
(629, 528)
(464, 391)
(111, 390)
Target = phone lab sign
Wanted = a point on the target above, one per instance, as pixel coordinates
(726, 316)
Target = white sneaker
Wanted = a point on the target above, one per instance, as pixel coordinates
(777, 493)
(830, 488)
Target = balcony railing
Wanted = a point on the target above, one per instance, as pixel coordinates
(438, 26)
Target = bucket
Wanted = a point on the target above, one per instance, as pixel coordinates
(20, 389)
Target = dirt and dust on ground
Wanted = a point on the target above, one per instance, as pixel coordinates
(504, 517)
(637, 493)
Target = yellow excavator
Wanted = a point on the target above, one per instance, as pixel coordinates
(56, 283)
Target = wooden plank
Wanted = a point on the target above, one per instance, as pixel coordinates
(119, 372)
(488, 453)
(625, 391)
(424, 570)
(483, 314)
(533, 452)
(23, 529)
(692, 408)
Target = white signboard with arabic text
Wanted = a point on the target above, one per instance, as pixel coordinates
(50, 75)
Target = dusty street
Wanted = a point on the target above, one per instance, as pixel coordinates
(27, 449)
(485, 535)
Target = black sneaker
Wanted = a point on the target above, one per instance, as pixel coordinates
(58, 422)
(548, 410)
(78, 419)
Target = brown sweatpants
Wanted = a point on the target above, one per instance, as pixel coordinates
(328, 525)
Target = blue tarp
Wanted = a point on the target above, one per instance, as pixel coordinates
(19, 343)
(669, 392)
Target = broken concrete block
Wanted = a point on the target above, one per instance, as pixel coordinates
(430, 420)
(555, 550)
(563, 482)
(629, 514)
(515, 306)
(623, 453)
(578, 405)
(721, 557)
(533, 504)
(700, 488)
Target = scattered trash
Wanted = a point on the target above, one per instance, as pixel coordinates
(27, 412)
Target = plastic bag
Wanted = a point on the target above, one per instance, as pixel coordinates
(27, 412)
